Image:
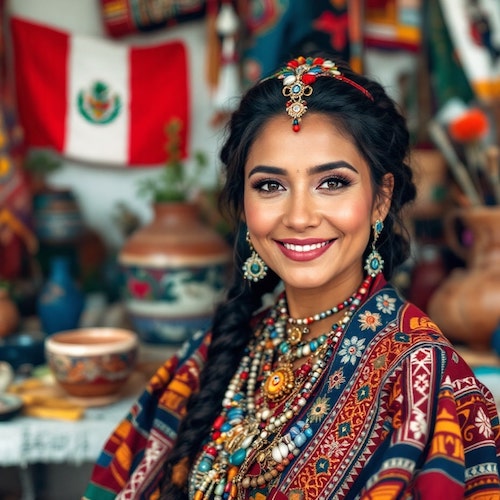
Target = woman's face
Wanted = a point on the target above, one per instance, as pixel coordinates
(309, 203)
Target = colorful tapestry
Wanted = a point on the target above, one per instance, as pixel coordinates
(123, 17)
(393, 24)
(474, 29)
(398, 414)
(99, 101)
(277, 31)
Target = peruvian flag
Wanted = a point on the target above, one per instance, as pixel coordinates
(97, 100)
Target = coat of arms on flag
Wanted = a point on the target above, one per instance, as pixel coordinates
(97, 100)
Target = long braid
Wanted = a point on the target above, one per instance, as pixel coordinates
(230, 334)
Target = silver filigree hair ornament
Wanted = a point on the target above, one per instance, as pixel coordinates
(298, 77)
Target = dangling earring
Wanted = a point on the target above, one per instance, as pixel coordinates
(254, 268)
(374, 263)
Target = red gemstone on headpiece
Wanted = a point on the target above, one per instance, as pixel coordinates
(308, 79)
(293, 63)
(318, 61)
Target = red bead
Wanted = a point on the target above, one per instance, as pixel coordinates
(215, 435)
(211, 451)
(308, 79)
(318, 61)
(244, 375)
(218, 422)
(296, 127)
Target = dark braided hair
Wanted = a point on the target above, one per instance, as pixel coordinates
(379, 131)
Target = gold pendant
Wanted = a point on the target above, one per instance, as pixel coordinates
(280, 383)
(294, 335)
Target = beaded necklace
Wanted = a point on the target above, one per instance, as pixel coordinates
(249, 427)
(298, 327)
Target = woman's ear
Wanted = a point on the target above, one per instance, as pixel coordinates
(384, 198)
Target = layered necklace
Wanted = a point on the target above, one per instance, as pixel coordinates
(263, 397)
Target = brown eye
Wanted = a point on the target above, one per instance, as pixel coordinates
(269, 186)
(334, 183)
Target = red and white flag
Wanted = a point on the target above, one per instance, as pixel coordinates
(97, 100)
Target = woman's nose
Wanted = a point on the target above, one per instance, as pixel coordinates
(300, 212)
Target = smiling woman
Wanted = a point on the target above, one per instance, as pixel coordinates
(317, 379)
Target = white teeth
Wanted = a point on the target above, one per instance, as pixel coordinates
(304, 248)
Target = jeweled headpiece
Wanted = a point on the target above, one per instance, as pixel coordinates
(298, 77)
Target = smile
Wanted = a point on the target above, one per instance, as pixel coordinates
(306, 251)
(304, 248)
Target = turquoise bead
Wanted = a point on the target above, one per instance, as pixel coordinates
(219, 489)
(238, 457)
(205, 465)
(255, 268)
(299, 439)
(226, 427)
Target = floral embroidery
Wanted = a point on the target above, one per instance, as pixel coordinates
(418, 424)
(351, 349)
(386, 304)
(333, 448)
(422, 384)
(320, 408)
(336, 379)
(369, 320)
(483, 423)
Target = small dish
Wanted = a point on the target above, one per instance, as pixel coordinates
(10, 406)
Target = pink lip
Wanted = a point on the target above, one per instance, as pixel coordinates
(302, 256)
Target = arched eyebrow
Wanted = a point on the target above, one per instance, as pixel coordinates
(317, 169)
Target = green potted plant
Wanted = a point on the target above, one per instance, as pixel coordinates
(175, 182)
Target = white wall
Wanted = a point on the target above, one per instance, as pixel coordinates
(99, 189)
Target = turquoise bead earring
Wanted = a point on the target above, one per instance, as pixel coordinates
(374, 263)
(254, 268)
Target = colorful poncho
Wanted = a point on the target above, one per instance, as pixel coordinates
(398, 414)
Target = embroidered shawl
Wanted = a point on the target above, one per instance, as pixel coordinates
(398, 414)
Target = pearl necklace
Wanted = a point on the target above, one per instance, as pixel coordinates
(298, 327)
(244, 429)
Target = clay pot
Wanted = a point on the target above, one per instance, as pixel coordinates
(175, 271)
(9, 314)
(466, 306)
(92, 362)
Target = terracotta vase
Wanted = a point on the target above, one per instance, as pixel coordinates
(9, 314)
(466, 306)
(175, 271)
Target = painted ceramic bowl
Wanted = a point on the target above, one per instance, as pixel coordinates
(92, 362)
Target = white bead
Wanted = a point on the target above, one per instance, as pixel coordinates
(247, 442)
(288, 80)
(276, 454)
(283, 449)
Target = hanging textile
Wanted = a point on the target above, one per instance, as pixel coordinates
(474, 29)
(123, 17)
(277, 31)
(98, 101)
(393, 24)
